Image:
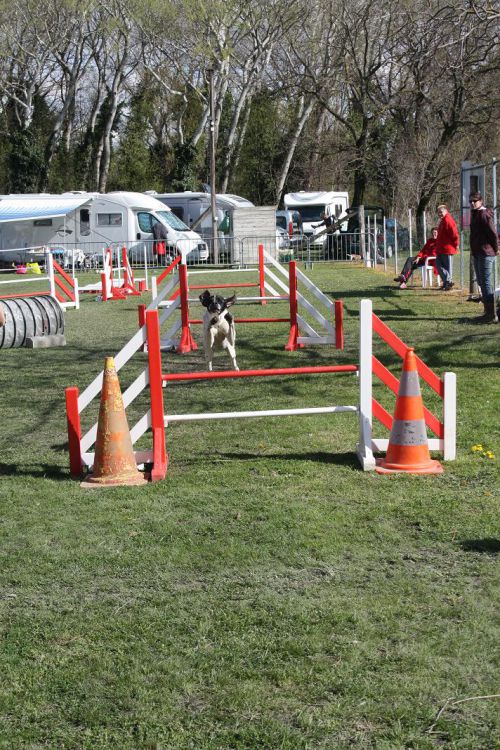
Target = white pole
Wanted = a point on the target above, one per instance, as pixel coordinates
(50, 272)
(410, 231)
(450, 416)
(425, 226)
(364, 447)
(265, 413)
(77, 294)
(396, 265)
(146, 266)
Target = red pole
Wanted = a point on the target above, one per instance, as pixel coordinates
(74, 431)
(339, 324)
(160, 458)
(187, 343)
(172, 377)
(294, 327)
(104, 287)
(262, 275)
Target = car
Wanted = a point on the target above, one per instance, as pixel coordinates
(289, 221)
(282, 239)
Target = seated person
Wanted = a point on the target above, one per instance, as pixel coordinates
(428, 251)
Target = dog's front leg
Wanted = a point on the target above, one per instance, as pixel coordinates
(209, 348)
(232, 353)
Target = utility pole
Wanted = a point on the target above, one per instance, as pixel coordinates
(211, 149)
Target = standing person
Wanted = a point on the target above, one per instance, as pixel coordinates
(428, 251)
(484, 249)
(329, 223)
(160, 235)
(447, 242)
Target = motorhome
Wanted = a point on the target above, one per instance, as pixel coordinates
(311, 205)
(241, 225)
(90, 221)
(194, 209)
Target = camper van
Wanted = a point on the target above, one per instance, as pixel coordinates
(89, 221)
(310, 206)
(194, 209)
(241, 226)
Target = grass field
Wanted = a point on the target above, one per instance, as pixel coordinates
(268, 594)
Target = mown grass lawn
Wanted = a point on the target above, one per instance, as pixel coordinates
(268, 594)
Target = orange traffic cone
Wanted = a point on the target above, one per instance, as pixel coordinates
(114, 461)
(408, 449)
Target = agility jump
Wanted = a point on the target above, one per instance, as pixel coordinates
(60, 284)
(367, 409)
(327, 327)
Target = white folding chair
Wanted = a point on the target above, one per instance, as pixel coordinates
(428, 273)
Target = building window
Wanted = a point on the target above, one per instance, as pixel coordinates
(42, 223)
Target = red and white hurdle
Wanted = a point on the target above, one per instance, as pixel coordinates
(155, 418)
(60, 284)
(175, 294)
(112, 285)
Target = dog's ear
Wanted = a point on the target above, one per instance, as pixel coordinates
(205, 298)
(230, 300)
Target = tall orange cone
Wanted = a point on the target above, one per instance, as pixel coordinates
(408, 449)
(114, 460)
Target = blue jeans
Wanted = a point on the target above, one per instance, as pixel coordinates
(443, 265)
(483, 266)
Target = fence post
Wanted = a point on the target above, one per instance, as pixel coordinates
(187, 343)
(74, 431)
(364, 447)
(262, 275)
(292, 297)
(450, 416)
(339, 324)
(50, 272)
(156, 395)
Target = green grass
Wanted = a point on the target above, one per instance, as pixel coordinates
(268, 594)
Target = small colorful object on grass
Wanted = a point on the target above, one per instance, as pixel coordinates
(478, 448)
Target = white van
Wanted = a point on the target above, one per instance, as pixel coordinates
(241, 226)
(194, 209)
(88, 221)
(310, 205)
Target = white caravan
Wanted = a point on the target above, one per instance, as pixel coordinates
(310, 206)
(89, 221)
(194, 209)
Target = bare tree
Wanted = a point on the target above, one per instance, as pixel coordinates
(451, 60)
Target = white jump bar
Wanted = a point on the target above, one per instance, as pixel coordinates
(268, 413)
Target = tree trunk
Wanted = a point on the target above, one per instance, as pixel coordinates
(304, 114)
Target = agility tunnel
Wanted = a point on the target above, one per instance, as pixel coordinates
(32, 321)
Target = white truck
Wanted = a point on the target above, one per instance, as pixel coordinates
(88, 222)
(310, 205)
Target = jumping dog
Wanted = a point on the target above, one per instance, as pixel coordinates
(218, 326)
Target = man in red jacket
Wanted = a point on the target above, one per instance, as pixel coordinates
(428, 251)
(446, 245)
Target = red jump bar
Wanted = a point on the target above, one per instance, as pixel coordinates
(178, 376)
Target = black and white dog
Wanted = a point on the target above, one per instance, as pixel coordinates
(218, 326)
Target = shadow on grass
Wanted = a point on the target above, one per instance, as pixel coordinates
(339, 459)
(487, 546)
(43, 471)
